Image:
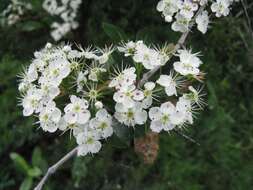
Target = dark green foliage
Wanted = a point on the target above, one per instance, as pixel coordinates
(224, 130)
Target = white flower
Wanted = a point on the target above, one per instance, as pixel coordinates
(150, 58)
(88, 142)
(128, 96)
(128, 48)
(184, 112)
(220, 7)
(76, 111)
(161, 117)
(94, 73)
(102, 123)
(49, 117)
(188, 8)
(195, 96)
(31, 102)
(167, 116)
(56, 72)
(202, 21)
(124, 79)
(130, 116)
(148, 94)
(49, 91)
(189, 63)
(169, 83)
(106, 52)
(181, 24)
(168, 8)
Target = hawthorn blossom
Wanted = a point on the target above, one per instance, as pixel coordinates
(130, 116)
(128, 48)
(124, 79)
(128, 96)
(88, 142)
(187, 8)
(49, 117)
(102, 123)
(148, 94)
(189, 63)
(105, 54)
(220, 7)
(169, 83)
(168, 8)
(56, 72)
(31, 101)
(149, 57)
(181, 24)
(202, 21)
(168, 116)
(66, 10)
(76, 111)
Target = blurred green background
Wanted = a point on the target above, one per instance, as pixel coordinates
(224, 159)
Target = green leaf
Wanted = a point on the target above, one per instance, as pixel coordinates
(79, 171)
(26, 184)
(31, 26)
(38, 160)
(114, 32)
(20, 163)
(34, 172)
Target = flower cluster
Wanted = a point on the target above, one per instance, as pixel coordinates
(66, 10)
(86, 113)
(15, 10)
(181, 12)
(149, 57)
(42, 83)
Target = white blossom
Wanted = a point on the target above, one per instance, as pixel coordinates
(31, 102)
(49, 117)
(189, 63)
(169, 83)
(76, 111)
(148, 95)
(220, 7)
(102, 123)
(123, 79)
(202, 21)
(128, 48)
(88, 142)
(128, 96)
(130, 116)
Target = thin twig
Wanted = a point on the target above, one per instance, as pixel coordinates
(179, 44)
(242, 11)
(186, 137)
(247, 17)
(53, 168)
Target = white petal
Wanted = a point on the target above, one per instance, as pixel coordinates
(167, 108)
(70, 117)
(156, 126)
(140, 117)
(83, 117)
(149, 85)
(165, 80)
(147, 102)
(95, 147)
(138, 95)
(155, 113)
